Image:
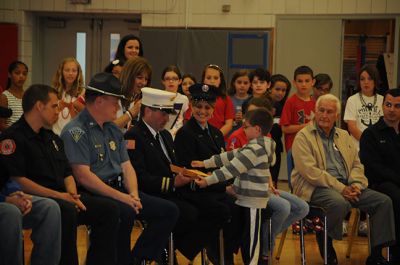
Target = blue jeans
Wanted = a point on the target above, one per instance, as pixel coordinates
(45, 221)
(286, 209)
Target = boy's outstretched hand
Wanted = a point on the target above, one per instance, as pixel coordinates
(196, 163)
(201, 182)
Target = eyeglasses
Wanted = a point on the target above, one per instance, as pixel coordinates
(171, 79)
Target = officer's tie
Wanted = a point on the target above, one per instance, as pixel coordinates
(160, 143)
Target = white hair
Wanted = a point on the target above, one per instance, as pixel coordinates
(328, 97)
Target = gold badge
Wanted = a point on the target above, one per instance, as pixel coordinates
(113, 146)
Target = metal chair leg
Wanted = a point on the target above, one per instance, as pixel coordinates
(388, 254)
(354, 221)
(325, 240)
(369, 235)
(203, 257)
(171, 249)
(280, 247)
(302, 247)
(271, 250)
(221, 247)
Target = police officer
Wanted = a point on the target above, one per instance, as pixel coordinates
(97, 153)
(151, 150)
(198, 140)
(34, 157)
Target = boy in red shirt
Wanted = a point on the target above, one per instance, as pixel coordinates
(298, 110)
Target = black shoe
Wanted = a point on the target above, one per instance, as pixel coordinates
(332, 258)
(138, 261)
(377, 261)
(262, 260)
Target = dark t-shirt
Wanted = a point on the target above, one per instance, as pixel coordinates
(37, 156)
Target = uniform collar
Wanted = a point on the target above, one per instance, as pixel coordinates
(27, 129)
(381, 124)
(152, 131)
(88, 118)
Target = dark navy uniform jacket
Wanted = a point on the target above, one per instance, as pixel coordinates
(194, 143)
(151, 164)
(37, 156)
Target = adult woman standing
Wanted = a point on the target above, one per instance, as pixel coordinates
(135, 75)
(130, 46)
(198, 140)
(12, 97)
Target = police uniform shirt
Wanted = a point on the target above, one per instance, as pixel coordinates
(37, 156)
(103, 149)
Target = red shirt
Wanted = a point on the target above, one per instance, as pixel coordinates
(223, 111)
(238, 139)
(295, 112)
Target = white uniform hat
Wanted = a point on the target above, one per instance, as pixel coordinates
(159, 99)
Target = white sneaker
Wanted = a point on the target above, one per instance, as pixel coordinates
(363, 228)
(344, 227)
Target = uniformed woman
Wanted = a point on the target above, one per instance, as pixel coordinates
(198, 140)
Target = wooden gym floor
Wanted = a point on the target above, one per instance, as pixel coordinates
(290, 253)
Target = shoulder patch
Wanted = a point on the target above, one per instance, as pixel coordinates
(7, 147)
(130, 144)
(76, 133)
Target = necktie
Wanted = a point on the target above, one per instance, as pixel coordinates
(160, 145)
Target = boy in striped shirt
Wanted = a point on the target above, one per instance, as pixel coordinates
(249, 166)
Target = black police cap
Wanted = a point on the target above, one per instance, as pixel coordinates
(203, 92)
(106, 84)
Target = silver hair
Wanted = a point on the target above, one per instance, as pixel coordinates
(329, 97)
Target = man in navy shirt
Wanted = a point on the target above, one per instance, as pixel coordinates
(380, 154)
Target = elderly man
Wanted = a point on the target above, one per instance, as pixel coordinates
(328, 173)
(97, 152)
(380, 154)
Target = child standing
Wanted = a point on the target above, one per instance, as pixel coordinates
(171, 79)
(223, 112)
(260, 81)
(238, 92)
(12, 97)
(187, 81)
(68, 81)
(298, 110)
(250, 167)
(364, 108)
(323, 85)
(278, 92)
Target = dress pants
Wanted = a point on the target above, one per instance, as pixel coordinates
(393, 191)
(102, 216)
(160, 216)
(376, 204)
(194, 229)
